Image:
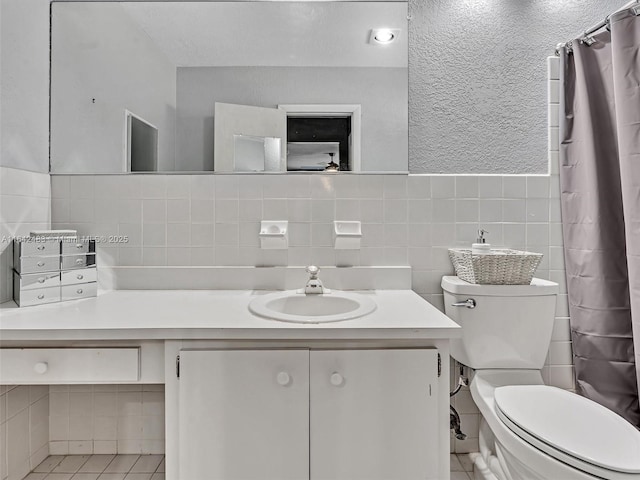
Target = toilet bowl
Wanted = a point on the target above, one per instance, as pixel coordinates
(531, 431)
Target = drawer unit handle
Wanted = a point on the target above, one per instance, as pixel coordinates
(79, 261)
(79, 277)
(40, 264)
(79, 245)
(41, 367)
(41, 296)
(40, 247)
(336, 379)
(283, 379)
(41, 280)
(79, 291)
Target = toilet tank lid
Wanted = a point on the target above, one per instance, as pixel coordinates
(538, 287)
(571, 424)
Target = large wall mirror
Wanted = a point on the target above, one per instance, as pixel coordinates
(229, 87)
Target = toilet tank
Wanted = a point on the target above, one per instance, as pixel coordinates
(509, 327)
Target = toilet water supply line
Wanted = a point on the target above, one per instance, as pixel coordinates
(454, 418)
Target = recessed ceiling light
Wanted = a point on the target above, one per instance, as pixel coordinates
(383, 36)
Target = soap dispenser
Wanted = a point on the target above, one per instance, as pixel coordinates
(481, 246)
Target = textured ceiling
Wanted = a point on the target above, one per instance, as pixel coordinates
(273, 33)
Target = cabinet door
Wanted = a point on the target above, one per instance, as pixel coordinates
(244, 414)
(374, 415)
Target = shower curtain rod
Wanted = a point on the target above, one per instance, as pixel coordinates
(585, 38)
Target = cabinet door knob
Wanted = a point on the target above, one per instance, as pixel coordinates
(41, 367)
(79, 291)
(40, 247)
(283, 378)
(336, 379)
(79, 245)
(79, 276)
(41, 296)
(41, 280)
(40, 264)
(79, 261)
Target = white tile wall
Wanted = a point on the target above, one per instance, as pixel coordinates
(24, 429)
(214, 219)
(25, 205)
(106, 419)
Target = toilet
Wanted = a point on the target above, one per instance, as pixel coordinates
(529, 430)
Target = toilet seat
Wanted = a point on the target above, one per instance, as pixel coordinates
(570, 428)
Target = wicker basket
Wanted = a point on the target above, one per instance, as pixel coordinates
(500, 267)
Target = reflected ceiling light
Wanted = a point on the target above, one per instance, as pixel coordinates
(332, 166)
(383, 36)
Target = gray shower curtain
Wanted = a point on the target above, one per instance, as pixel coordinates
(600, 183)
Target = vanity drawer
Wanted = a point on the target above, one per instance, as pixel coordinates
(82, 275)
(37, 264)
(78, 261)
(84, 246)
(36, 280)
(68, 365)
(26, 298)
(80, 290)
(39, 246)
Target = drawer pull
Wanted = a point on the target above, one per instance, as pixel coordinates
(41, 280)
(41, 367)
(79, 245)
(40, 247)
(79, 261)
(336, 379)
(79, 291)
(41, 296)
(79, 276)
(283, 379)
(40, 264)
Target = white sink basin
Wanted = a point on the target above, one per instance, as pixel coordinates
(293, 306)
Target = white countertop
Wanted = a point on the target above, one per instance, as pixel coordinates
(213, 314)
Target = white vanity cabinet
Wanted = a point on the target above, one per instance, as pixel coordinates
(305, 413)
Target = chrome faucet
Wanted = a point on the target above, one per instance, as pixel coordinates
(314, 285)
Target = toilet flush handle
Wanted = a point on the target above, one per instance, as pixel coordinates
(469, 303)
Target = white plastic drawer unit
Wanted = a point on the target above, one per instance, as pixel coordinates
(69, 365)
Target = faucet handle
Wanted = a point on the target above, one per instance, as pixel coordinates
(313, 271)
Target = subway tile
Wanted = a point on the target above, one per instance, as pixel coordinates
(105, 428)
(321, 188)
(553, 68)
(347, 186)
(129, 210)
(248, 234)
(80, 428)
(250, 210)
(298, 186)
(347, 258)
(205, 210)
(81, 186)
(179, 234)
(154, 234)
(225, 234)
(275, 186)
(202, 234)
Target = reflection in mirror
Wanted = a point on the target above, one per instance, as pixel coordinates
(257, 154)
(189, 86)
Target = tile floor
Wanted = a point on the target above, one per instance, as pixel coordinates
(151, 467)
(99, 467)
(461, 466)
